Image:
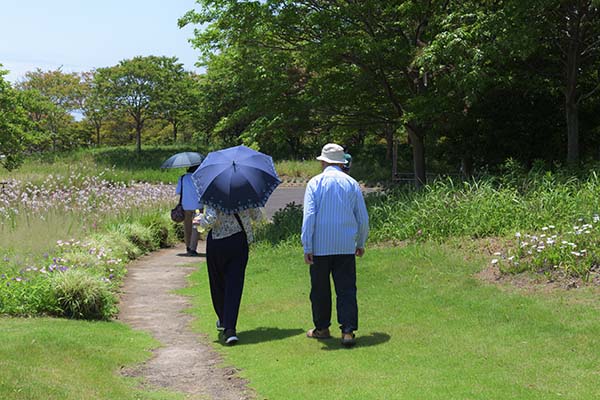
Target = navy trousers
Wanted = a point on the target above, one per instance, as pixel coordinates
(343, 270)
(226, 261)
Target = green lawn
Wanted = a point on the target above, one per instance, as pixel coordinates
(429, 330)
(43, 358)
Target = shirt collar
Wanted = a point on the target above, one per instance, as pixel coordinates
(334, 167)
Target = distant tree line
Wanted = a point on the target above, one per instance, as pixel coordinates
(57, 111)
(447, 85)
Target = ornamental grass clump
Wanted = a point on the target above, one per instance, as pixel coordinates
(80, 295)
(164, 232)
(574, 253)
(141, 236)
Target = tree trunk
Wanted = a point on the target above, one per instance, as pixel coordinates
(571, 96)
(389, 140)
(572, 116)
(417, 143)
(466, 165)
(394, 158)
(139, 124)
(362, 134)
(97, 126)
(174, 123)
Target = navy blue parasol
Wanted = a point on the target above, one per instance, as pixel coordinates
(235, 179)
(185, 159)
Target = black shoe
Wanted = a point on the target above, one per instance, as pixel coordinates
(230, 337)
(192, 253)
(348, 339)
(220, 327)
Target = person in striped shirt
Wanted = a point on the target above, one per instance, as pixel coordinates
(335, 227)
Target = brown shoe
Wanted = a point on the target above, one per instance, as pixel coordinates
(348, 339)
(318, 333)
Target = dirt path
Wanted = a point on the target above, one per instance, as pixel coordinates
(185, 362)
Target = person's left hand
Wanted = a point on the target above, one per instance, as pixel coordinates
(359, 251)
(196, 219)
(308, 258)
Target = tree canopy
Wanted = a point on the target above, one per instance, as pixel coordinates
(449, 86)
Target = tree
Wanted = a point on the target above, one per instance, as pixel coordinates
(178, 94)
(543, 47)
(574, 30)
(47, 121)
(61, 91)
(376, 40)
(14, 126)
(94, 103)
(134, 87)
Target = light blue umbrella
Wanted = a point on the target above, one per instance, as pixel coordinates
(235, 179)
(185, 159)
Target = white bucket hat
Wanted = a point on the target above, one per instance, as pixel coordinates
(333, 154)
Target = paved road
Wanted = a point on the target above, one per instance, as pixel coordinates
(282, 196)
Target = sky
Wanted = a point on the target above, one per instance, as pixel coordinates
(80, 35)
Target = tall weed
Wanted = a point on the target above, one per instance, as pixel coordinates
(488, 207)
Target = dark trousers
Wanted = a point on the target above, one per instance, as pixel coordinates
(226, 260)
(343, 270)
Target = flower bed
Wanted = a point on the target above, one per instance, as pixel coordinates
(78, 278)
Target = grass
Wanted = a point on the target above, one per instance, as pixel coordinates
(429, 330)
(57, 359)
(297, 171)
(123, 164)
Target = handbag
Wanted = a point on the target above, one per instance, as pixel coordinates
(177, 213)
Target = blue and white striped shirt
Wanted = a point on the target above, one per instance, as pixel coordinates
(335, 216)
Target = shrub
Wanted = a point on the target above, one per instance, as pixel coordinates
(286, 226)
(26, 297)
(80, 295)
(179, 231)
